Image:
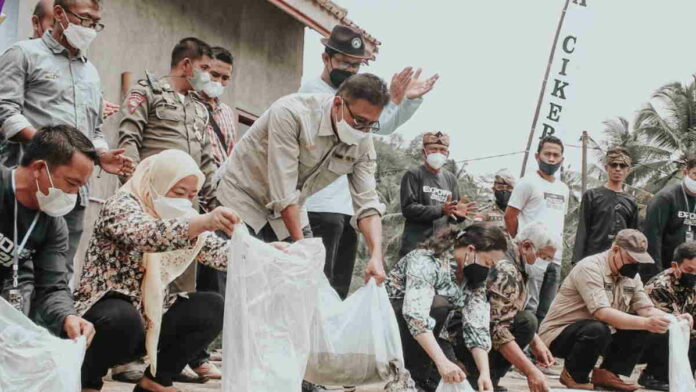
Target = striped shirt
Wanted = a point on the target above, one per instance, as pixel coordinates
(224, 117)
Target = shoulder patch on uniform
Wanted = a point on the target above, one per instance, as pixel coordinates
(135, 99)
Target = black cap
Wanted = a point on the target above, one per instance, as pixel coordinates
(346, 40)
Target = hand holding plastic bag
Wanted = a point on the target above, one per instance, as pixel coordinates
(459, 387)
(33, 360)
(681, 379)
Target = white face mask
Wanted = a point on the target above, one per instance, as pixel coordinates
(214, 89)
(348, 134)
(174, 207)
(436, 160)
(200, 80)
(79, 37)
(690, 184)
(57, 203)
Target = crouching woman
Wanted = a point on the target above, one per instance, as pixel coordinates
(445, 277)
(146, 235)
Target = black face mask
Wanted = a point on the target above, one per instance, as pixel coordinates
(502, 198)
(688, 280)
(548, 168)
(338, 76)
(475, 274)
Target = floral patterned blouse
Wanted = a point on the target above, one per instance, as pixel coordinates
(419, 276)
(122, 234)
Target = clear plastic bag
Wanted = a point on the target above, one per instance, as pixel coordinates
(681, 379)
(33, 360)
(356, 341)
(270, 301)
(461, 387)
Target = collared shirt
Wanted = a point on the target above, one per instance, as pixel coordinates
(289, 153)
(591, 286)
(155, 118)
(336, 197)
(42, 84)
(224, 116)
(507, 293)
(419, 276)
(670, 296)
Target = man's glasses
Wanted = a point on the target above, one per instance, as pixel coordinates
(362, 124)
(88, 22)
(616, 165)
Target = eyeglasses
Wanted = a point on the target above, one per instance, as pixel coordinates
(362, 124)
(87, 22)
(618, 165)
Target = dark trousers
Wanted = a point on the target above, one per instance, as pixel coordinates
(523, 329)
(656, 356)
(583, 342)
(417, 360)
(188, 326)
(75, 220)
(341, 243)
(549, 288)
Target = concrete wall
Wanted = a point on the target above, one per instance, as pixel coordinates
(267, 44)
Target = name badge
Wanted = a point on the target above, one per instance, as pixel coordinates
(629, 289)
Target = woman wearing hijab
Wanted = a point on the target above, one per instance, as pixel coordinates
(146, 235)
(443, 283)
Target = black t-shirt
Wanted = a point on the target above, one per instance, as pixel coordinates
(603, 213)
(671, 213)
(42, 261)
(422, 195)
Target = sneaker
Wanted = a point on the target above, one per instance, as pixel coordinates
(602, 378)
(567, 380)
(216, 356)
(648, 381)
(209, 370)
(130, 372)
(190, 377)
(349, 389)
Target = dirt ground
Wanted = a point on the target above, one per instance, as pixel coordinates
(515, 382)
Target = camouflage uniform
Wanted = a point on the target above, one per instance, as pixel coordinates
(670, 296)
(507, 294)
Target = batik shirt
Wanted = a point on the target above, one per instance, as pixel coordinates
(419, 276)
(122, 235)
(507, 295)
(670, 296)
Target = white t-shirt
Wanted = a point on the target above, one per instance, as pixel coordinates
(543, 201)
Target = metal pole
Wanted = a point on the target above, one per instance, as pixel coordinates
(543, 88)
(584, 161)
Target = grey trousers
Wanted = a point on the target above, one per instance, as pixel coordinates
(75, 220)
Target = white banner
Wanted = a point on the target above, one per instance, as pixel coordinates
(559, 95)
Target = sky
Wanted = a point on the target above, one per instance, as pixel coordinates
(491, 57)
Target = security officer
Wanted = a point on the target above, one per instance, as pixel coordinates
(165, 114)
(503, 184)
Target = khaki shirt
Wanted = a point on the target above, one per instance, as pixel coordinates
(590, 286)
(154, 119)
(290, 153)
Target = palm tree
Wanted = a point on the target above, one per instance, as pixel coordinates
(646, 157)
(667, 123)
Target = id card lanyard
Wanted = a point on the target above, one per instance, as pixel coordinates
(690, 237)
(15, 295)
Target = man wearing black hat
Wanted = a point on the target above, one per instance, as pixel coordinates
(330, 210)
